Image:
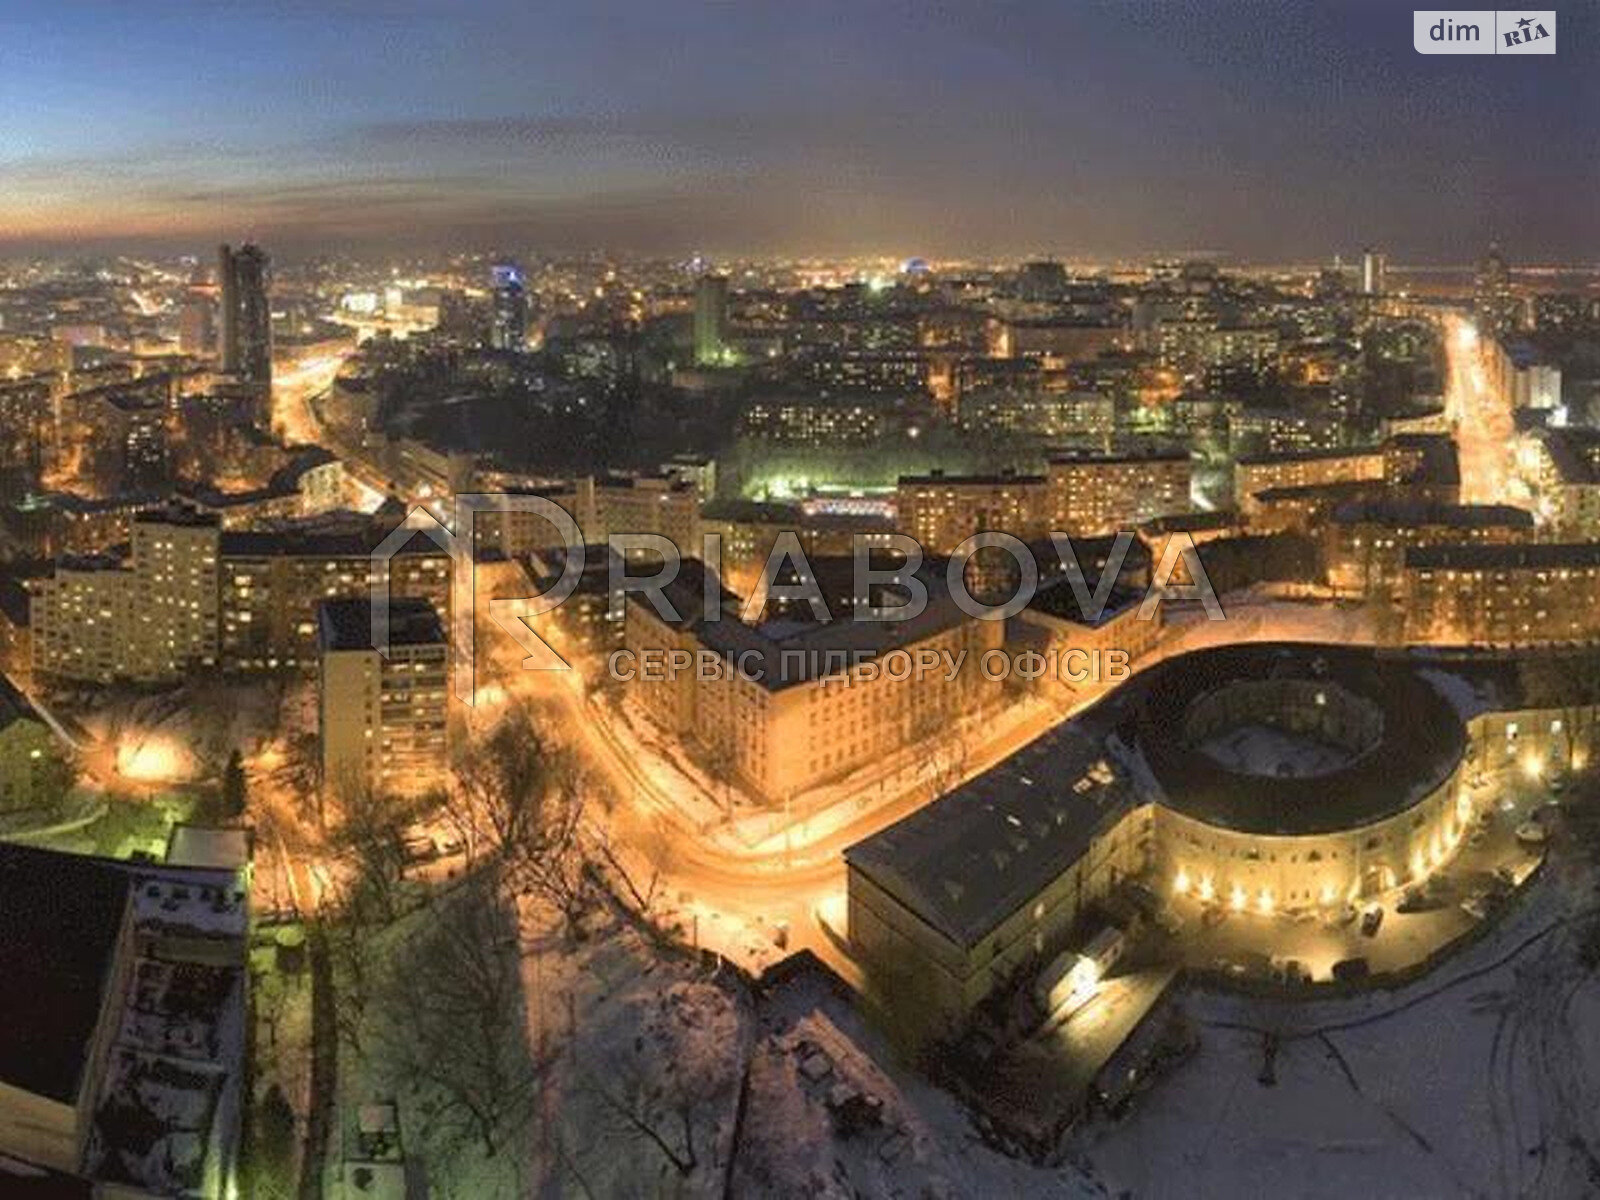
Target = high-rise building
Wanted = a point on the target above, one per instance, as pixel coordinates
(1372, 267)
(149, 619)
(1496, 305)
(710, 320)
(508, 327)
(382, 717)
(246, 314)
(197, 324)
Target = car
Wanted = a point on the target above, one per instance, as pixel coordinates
(1533, 833)
(1289, 970)
(1349, 969)
(1371, 920)
(1415, 899)
(1475, 907)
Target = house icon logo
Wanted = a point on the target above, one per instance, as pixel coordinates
(1524, 33)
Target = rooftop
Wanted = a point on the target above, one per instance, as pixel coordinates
(60, 918)
(1421, 740)
(1518, 556)
(1415, 513)
(347, 624)
(973, 857)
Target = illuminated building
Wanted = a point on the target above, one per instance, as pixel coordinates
(983, 887)
(30, 761)
(191, 596)
(1086, 416)
(1495, 305)
(1372, 269)
(197, 324)
(1104, 493)
(819, 422)
(749, 529)
(1254, 475)
(1424, 466)
(941, 511)
(1197, 347)
(175, 563)
(1060, 343)
(244, 275)
(1080, 643)
(1534, 594)
(799, 703)
(27, 433)
(711, 320)
(1365, 543)
(1563, 468)
(382, 719)
(508, 325)
(1270, 431)
(272, 582)
(667, 506)
(514, 533)
(150, 619)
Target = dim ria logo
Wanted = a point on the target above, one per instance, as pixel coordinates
(1484, 31)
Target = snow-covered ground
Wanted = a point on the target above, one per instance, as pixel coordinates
(1258, 749)
(1482, 1079)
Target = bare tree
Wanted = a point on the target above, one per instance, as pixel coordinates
(452, 1017)
(501, 783)
(720, 763)
(669, 1086)
(369, 835)
(1569, 684)
(518, 803)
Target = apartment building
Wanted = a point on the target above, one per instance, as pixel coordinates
(1537, 594)
(941, 511)
(1093, 494)
(792, 704)
(382, 718)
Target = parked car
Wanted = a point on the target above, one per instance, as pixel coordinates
(1533, 833)
(1475, 907)
(1371, 919)
(1350, 969)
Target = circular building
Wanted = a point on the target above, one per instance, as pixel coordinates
(1298, 775)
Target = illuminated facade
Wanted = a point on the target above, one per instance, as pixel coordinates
(980, 889)
(1512, 595)
(793, 705)
(1100, 493)
(191, 596)
(150, 619)
(382, 718)
(1365, 544)
(941, 511)
(1252, 476)
(271, 584)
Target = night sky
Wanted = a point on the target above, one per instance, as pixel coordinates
(1256, 131)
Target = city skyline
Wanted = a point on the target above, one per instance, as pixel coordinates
(1105, 132)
